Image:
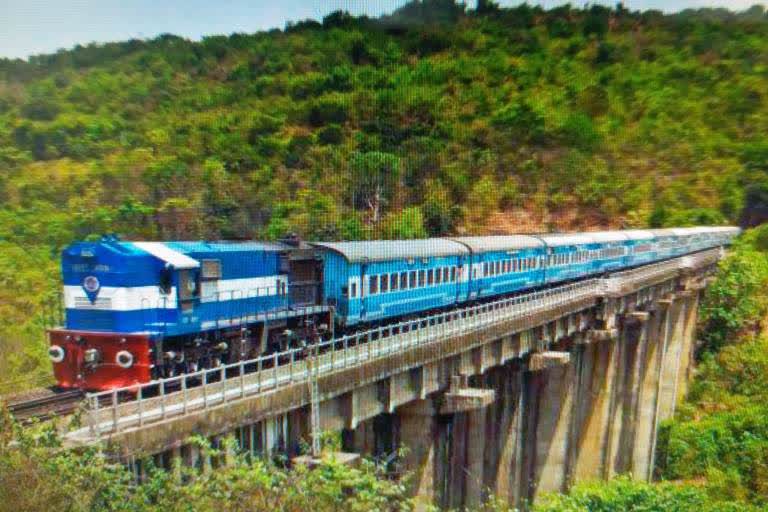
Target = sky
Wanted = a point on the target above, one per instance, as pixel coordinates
(29, 27)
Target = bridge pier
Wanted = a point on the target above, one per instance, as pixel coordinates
(549, 396)
(418, 431)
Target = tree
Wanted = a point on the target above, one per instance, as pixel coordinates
(375, 178)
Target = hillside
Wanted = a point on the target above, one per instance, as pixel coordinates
(433, 120)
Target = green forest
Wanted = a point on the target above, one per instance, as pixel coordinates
(436, 119)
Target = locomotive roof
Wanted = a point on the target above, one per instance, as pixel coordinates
(499, 243)
(386, 250)
(226, 246)
(164, 253)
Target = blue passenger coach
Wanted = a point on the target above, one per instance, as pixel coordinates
(503, 264)
(569, 256)
(376, 280)
(642, 248)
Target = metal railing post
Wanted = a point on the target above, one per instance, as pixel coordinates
(162, 398)
(184, 394)
(115, 423)
(140, 406)
(274, 371)
(205, 388)
(223, 378)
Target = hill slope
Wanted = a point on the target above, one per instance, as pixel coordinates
(430, 121)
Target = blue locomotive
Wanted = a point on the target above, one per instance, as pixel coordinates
(136, 311)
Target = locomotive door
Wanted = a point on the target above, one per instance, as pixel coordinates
(305, 277)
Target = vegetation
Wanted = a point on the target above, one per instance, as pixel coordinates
(36, 475)
(625, 495)
(720, 436)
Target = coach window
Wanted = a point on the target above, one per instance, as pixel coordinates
(453, 274)
(438, 275)
(384, 283)
(422, 277)
(412, 280)
(403, 280)
(485, 269)
(373, 285)
(394, 281)
(430, 277)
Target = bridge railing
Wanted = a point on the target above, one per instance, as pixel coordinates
(153, 402)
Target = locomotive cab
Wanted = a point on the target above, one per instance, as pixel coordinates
(117, 296)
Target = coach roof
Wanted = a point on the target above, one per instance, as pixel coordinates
(499, 243)
(388, 250)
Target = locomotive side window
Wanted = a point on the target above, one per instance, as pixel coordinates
(353, 290)
(211, 269)
(166, 281)
(188, 288)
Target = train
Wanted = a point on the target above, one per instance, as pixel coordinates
(136, 311)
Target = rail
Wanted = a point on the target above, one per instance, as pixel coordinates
(180, 395)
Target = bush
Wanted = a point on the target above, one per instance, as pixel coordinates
(738, 298)
(626, 495)
(37, 475)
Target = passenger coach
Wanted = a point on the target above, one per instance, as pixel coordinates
(376, 280)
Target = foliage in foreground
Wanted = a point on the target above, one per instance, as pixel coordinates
(35, 475)
(625, 495)
(720, 436)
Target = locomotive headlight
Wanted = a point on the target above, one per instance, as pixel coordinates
(124, 359)
(56, 353)
(91, 356)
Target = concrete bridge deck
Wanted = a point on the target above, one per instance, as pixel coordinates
(559, 384)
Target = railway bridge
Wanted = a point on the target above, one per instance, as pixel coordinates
(515, 397)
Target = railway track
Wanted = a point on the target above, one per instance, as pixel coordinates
(44, 404)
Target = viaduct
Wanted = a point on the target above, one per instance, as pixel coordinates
(513, 398)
